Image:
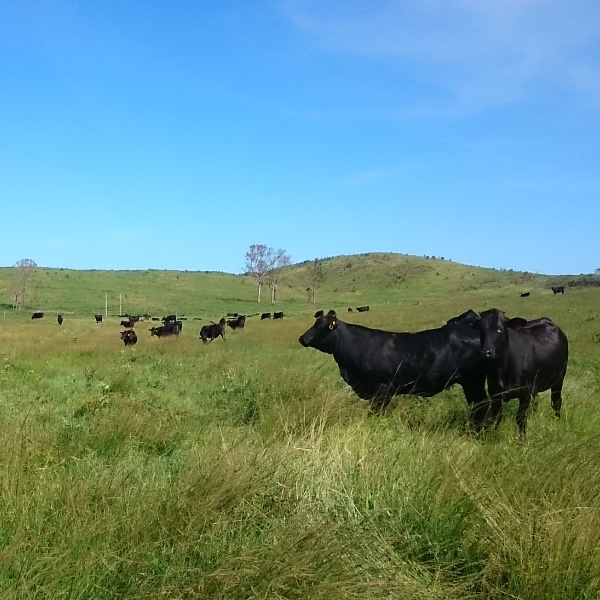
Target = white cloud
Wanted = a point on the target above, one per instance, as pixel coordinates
(482, 52)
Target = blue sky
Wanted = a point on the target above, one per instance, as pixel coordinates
(173, 135)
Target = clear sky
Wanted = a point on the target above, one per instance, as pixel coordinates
(173, 135)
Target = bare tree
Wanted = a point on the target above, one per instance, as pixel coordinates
(316, 275)
(280, 260)
(24, 270)
(265, 264)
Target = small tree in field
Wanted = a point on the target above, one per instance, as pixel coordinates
(316, 275)
(23, 271)
(265, 264)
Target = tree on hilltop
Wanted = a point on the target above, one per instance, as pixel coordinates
(23, 272)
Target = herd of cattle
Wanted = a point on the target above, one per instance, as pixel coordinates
(517, 359)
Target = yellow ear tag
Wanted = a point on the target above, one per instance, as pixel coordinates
(331, 325)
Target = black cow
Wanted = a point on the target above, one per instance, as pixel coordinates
(349, 309)
(558, 289)
(168, 328)
(169, 318)
(129, 324)
(525, 294)
(379, 364)
(237, 323)
(265, 316)
(278, 315)
(208, 333)
(129, 337)
(59, 319)
(232, 314)
(37, 315)
(133, 318)
(522, 358)
(318, 314)
(362, 308)
(98, 318)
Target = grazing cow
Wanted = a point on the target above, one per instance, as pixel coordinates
(37, 315)
(232, 314)
(129, 324)
(522, 358)
(98, 318)
(208, 333)
(525, 294)
(318, 314)
(349, 309)
(362, 308)
(379, 364)
(59, 319)
(265, 316)
(155, 319)
(171, 328)
(558, 289)
(237, 323)
(278, 315)
(129, 337)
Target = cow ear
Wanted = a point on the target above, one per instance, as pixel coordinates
(516, 323)
(331, 313)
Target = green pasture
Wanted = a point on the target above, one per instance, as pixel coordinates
(246, 468)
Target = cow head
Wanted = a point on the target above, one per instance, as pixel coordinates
(494, 331)
(318, 333)
(469, 318)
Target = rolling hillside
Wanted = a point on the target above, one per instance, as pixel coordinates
(375, 279)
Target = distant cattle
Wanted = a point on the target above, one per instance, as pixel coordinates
(318, 314)
(232, 314)
(155, 319)
(525, 294)
(37, 315)
(264, 316)
(129, 337)
(522, 358)
(169, 318)
(127, 324)
(278, 315)
(98, 318)
(362, 308)
(379, 364)
(558, 289)
(349, 309)
(134, 318)
(208, 333)
(59, 319)
(237, 323)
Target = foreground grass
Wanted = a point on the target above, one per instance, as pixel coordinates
(246, 469)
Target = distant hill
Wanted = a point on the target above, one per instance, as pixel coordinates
(373, 278)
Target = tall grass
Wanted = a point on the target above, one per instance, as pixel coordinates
(247, 469)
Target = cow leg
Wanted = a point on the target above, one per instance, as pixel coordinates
(522, 413)
(478, 403)
(496, 411)
(556, 398)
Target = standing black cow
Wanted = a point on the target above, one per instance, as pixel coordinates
(208, 333)
(37, 315)
(238, 323)
(525, 294)
(379, 364)
(362, 308)
(522, 359)
(98, 318)
(558, 289)
(278, 315)
(264, 316)
(129, 337)
(128, 324)
(59, 319)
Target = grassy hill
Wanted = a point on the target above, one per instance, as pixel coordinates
(246, 468)
(377, 279)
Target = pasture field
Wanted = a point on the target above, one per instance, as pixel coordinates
(247, 468)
